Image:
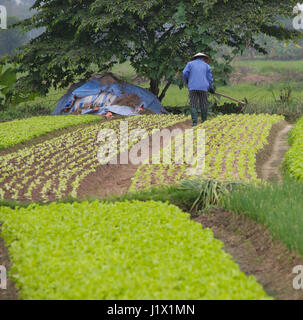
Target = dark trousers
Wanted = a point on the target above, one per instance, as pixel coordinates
(198, 99)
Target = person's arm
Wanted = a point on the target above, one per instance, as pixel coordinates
(186, 73)
(210, 80)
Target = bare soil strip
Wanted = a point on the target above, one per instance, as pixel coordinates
(115, 179)
(253, 248)
(270, 158)
(271, 169)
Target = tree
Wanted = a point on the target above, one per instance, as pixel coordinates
(7, 79)
(156, 36)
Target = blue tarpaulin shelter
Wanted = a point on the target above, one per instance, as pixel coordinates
(98, 96)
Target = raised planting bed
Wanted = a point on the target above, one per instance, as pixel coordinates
(54, 169)
(231, 146)
(294, 157)
(123, 250)
(19, 131)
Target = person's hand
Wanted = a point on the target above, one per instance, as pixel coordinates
(211, 90)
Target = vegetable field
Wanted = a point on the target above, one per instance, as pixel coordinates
(294, 157)
(138, 250)
(121, 196)
(121, 249)
(15, 132)
(54, 169)
(232, 143)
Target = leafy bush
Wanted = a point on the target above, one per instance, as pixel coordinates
(25, 110)
(122, 250)
(7, 78)
(209, 192)
(228, 108)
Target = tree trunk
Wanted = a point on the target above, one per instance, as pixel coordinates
(162, 95)
(154, 87)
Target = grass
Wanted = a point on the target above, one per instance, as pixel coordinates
(124, 71)
(267, 67)
(290, 110)
(262, 95)
(278, 207)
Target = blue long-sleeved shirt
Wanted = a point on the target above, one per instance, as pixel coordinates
(198, 75)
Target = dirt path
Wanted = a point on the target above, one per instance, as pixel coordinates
(115, 179)
(271, 168)
(249, 243)
(253, 248)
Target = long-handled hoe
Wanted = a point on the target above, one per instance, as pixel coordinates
(245, 102)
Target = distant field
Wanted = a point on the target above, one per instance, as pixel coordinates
(290, 73)
(261, 94)
(270, 66)
(278, 75)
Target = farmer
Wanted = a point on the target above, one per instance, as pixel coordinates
(198, 76)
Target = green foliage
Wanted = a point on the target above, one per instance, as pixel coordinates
(294, 157)
(290, 110)
(8, 84)
(209, 192)
(7, 78)
(15, 132)
(278, 207)
(39, 106)
(172, 194)
(157, 37)
(25, 110)
(123, 250)
(227, 108)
